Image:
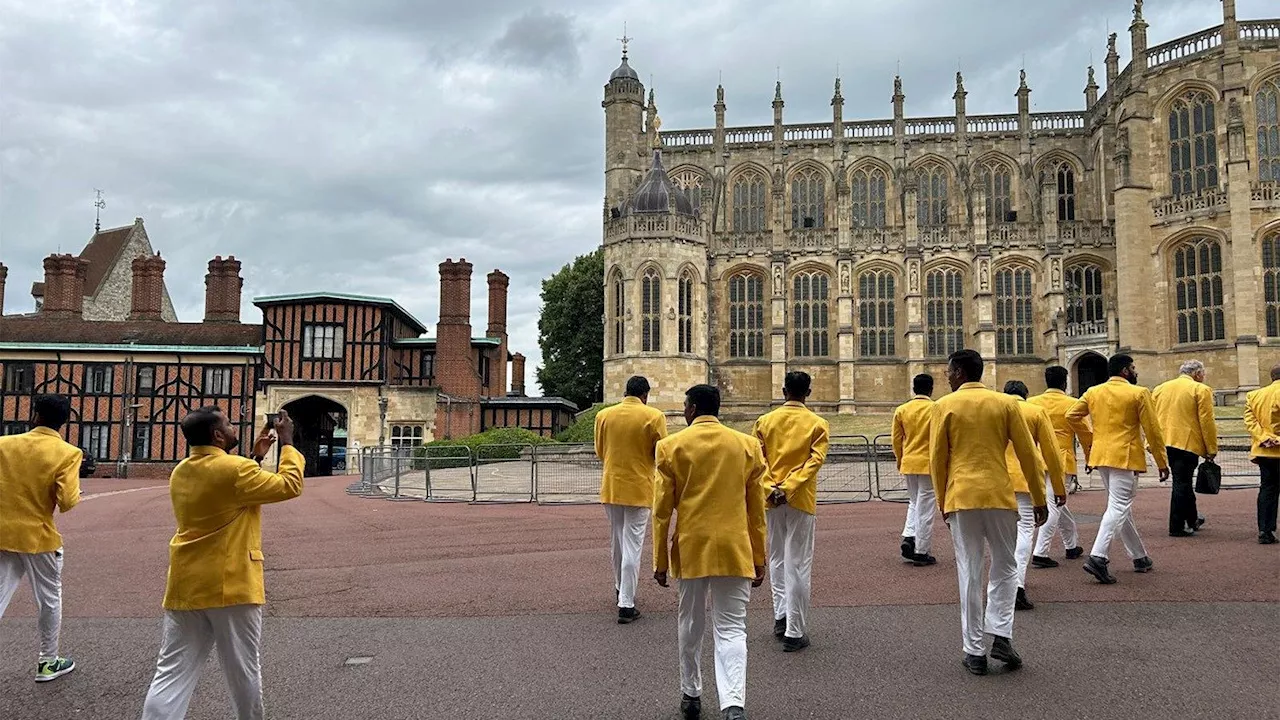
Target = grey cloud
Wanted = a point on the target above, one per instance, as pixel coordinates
(540, 39)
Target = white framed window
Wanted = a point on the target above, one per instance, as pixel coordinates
(217, 381)
(95, 438)
(406, 436)
(322, 342)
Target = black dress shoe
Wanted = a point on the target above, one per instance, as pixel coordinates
(1075, 552)
(923, 559)
(780, 628)
(790, 644)
(1267, 538)
(908, 547)
(1143, 565)
(1043, 561)
(627, 616)
(1002, 650)
(1097, 567)
(1185, 532)
(1199, 522)
(690, 708)
(976, 664)
(735, 713)
(1022, 603)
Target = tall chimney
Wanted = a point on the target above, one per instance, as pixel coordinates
(222, 290)
(498, 283)
(148, 288)
(64, 286)
(457, 372)
(4, 275)
(517, 375)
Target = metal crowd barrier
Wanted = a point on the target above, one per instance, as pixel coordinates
(566, 474)
(846, 476)
(504, 474)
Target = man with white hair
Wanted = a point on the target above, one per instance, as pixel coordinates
(1184, 409)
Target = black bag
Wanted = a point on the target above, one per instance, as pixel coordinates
(1208, 478)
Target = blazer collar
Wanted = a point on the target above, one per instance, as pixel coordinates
(48, 432)
(706, 420)
(207, 450)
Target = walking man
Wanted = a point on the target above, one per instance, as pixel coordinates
(971, 431)
(214, 594)
(910, 436)
(39, 473)
(1056, 402)
(1050, 470)
(712, 478)
(1184, 410)
(794, 440)
(627, 435)
(1121, 413)
(1262, 418)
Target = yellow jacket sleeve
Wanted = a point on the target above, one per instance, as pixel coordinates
(599, 437)
(939, 456)
(1251, 424)
(68, 483)
(1151, 428)
(1025, 448)
(1052, 455)
(659, 427)
(1208, 425)
(1076, 418)
(255, 486)
(664, 503)
(899, 436)
(755, 507)
(808, 472)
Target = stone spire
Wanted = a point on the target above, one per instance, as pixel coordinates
(1138, 37)
(1113, 63)
(1023, 94)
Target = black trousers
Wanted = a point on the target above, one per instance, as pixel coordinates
(1268, 493)
(1182, 502)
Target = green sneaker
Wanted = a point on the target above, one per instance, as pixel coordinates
(53, 669)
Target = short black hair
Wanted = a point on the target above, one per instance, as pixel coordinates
(968, 362)
(922, 384)
(1118, 363)
(704, 398)
(53, 411)
(797, 384)
(637, 386)
(198, 425)
(1016, 387)
(1056, 377)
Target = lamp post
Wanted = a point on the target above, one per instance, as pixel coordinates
(382, 420)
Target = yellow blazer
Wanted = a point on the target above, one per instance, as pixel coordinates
(1056, 403)
(1048, 457)
(970, 431)
(215, 558)
(1184, 409)
(1121, 414)
(1262, 419)
(712, 477)
(910, 435)
(38, 472)
(626, 437)
(795, 442)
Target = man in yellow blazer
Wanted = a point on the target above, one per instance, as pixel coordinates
(1056, 402)
(1184, 409)
(1122, 412)
(1262, 418)
(627, 436)
(214, 594)
(795, 442)
(712, 478)
(910, 436)
(971, 430)
(39, 473)
(1050, 463)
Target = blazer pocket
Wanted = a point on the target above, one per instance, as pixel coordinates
(256, 555)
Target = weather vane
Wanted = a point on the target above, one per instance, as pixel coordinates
(624, 39)
(98, 203)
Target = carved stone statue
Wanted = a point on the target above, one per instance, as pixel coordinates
(1057, 274)
(1111, 44)
(1137, 9)
(915, 278)
(984, 276)
(654, 127)
(844, 279)
(1092, 80)
(1022, 78)
(777, 280)
(897, 86)
(1235, 116)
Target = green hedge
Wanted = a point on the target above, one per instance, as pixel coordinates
(583, 429)
(448, 453)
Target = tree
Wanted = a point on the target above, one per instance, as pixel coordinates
(570, 333)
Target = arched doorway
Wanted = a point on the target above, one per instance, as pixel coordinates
(1091, 369)
(320, 434)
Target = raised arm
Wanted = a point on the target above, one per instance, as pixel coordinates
(255, 486)
(939, 456)
(1208, 424)
(664, 503)
(1024, 447)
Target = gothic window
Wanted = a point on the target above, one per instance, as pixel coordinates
(1271, 282)
(811, 314)
(1014, 325)
(651, 311)
(868, 198)
(746, 315)
(997, 180)
(808, 200)
(944, 312)
(1064, 176)
(1197, 274)
(1084, 295)
(686, 312)
(1193, 144)
(617, 287)
(748, 203)
(877, 316)
(694, 186)
(1267, 104)
(931, 196)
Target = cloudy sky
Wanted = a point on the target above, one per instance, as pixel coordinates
(351, 145)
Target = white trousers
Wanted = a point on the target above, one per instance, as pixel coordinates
(627, 527)
(971, 532)
(728, 596)
(1121, 487)
(921, 507)
(188, 635)
(45, 571)
(790, 540)
(1060, 518)
(1026, 536)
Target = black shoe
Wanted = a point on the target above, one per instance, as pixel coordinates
(780, 628)
(1041, 561)
(908, 547)
(1199, 522)
(1002, 650)
(976, 664)
(1097, 567)
(626, 616)
(1143, 565)
(690, 708)
(923, 559)
(1075, 552)
(1185, 532)
(735, 713)
(1022, 603)
(790, 644)
(1267, 538)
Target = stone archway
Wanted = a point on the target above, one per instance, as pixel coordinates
(1090, 370)
(320, 434)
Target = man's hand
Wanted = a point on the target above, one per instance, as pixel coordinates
(1164, 474)
(1209, 458)
(284, 428)
(1041, 513)
(1088, 469)
(263, 444)
(1270, 443)
(777, 497)
(661, 577)
(1060, 500)
(759, 578)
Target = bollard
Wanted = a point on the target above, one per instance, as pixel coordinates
(397, 485)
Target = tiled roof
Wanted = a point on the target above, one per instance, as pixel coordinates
(319, 297)
(101, 253)
(36, 330)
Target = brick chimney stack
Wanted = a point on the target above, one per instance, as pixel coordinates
(498, 284)
(64, 286)
(457, 372)
(517, 375)
(222, 290)
(4, 275)
(148, 288)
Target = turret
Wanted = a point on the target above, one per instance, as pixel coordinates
(623, 132)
